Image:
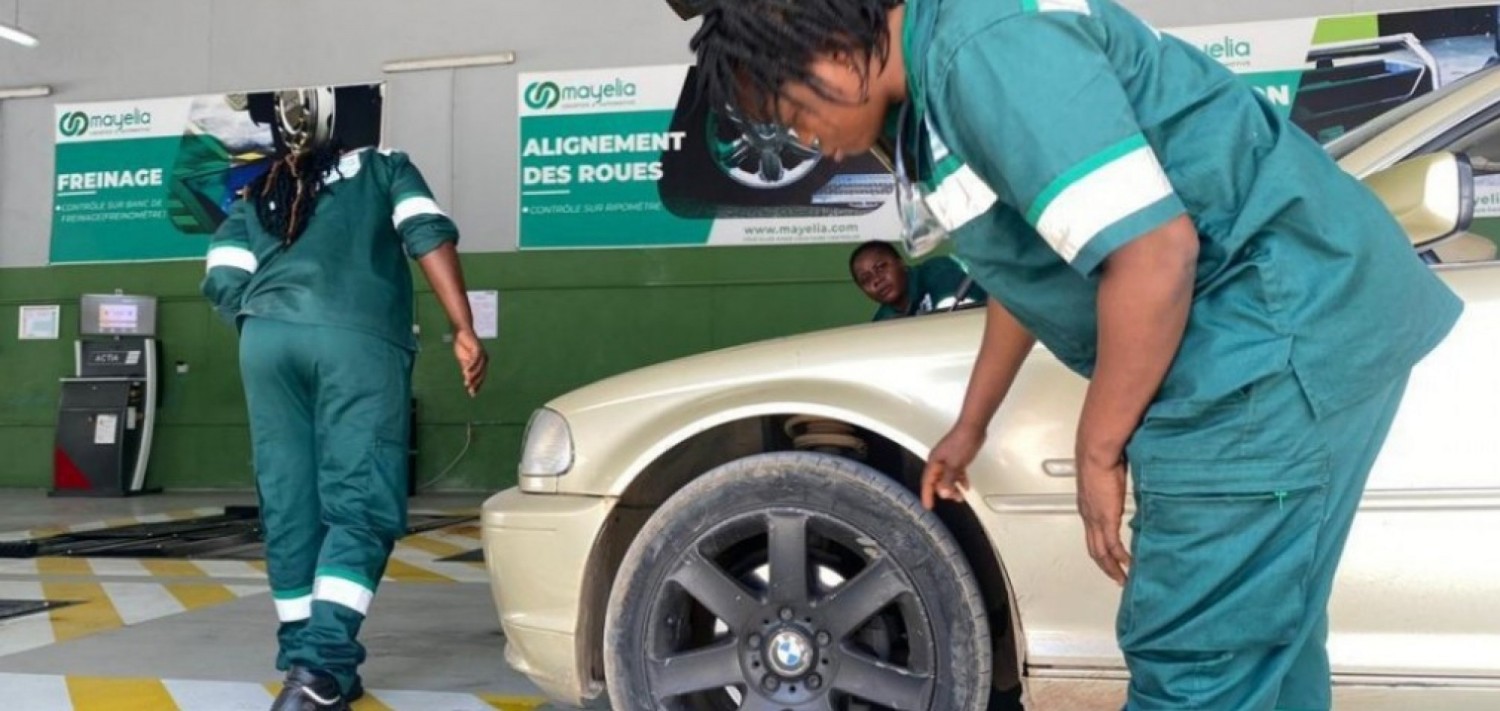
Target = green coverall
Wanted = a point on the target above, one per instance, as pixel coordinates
(931, 285)
(326, 352)
(1050, 133)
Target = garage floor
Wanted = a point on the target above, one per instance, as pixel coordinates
(198, 635)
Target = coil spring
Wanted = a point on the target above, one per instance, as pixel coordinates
(817, 434)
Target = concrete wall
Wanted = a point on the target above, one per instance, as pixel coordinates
(459, 125)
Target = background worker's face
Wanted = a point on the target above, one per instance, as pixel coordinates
(881, 275)
(845, 123)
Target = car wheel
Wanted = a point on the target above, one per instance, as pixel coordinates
(793, 581)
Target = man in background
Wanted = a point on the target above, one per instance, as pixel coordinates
(902, 290)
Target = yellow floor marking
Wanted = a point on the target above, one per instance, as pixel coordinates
(441, 549)
(63, 566)
(184, 514)
(118, 522)
(173, 568)
(194, 597)
(513, 703)
(369, 703)
(258, 565)
(119, 695)
(366, 703)
(96, 614)
(402, 571)
(49, 531)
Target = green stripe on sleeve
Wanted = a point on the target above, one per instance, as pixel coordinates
(1081, 171)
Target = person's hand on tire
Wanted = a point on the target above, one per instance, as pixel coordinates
(947, 474)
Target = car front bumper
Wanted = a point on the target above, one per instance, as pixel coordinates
(537, 548)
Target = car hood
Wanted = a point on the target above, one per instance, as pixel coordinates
(868, 351)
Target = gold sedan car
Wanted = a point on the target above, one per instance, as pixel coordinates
(739, 530)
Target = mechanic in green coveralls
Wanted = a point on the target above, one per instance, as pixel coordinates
(939, 283)
(312, 268)
(1246, 312)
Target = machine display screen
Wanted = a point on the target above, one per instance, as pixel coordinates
(117, 315)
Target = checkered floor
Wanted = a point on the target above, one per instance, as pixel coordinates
(112, 596)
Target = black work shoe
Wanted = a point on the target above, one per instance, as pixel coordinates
(307, 690)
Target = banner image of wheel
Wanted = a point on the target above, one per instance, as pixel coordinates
(730, 166)
(633, 157)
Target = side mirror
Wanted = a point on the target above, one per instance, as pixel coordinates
(1431, 196)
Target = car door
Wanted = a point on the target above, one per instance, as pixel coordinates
(1416, 594)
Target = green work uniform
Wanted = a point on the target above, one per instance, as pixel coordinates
(1051, 133)
(326, 352)
(932, 285)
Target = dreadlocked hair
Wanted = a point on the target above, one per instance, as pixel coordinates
(286, 194)
(749, 50)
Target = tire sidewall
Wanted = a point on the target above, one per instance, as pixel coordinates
(881, 510)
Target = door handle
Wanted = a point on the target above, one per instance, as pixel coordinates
(1061, 468)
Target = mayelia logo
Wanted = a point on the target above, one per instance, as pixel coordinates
(74, 124)
(1229, 48)
(543, 95)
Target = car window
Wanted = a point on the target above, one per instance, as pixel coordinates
(1351, 141)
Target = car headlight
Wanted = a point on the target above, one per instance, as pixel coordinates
(548, 450)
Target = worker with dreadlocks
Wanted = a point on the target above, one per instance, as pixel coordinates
(311, 266)
(1246, 312)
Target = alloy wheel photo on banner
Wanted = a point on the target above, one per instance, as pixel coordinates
(152, 179)
(632, 157)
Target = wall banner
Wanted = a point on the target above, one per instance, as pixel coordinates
(631, 158)
(152, 179)
(1332, 74)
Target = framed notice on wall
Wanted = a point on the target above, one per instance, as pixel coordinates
(40, 323)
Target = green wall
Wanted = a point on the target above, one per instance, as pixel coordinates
(566, 319)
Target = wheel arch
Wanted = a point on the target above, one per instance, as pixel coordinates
(697, 448)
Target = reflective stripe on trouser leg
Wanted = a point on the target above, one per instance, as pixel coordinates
(343, 589)
(277, 371)
(293, 605)
(362, 416)
(1242, 513)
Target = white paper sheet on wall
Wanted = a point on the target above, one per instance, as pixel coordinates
(486, 308)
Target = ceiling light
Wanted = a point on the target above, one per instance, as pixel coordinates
(17, 36)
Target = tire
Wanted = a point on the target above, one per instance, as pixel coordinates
(884, 604)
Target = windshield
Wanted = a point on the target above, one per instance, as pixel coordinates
(1349, 142)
